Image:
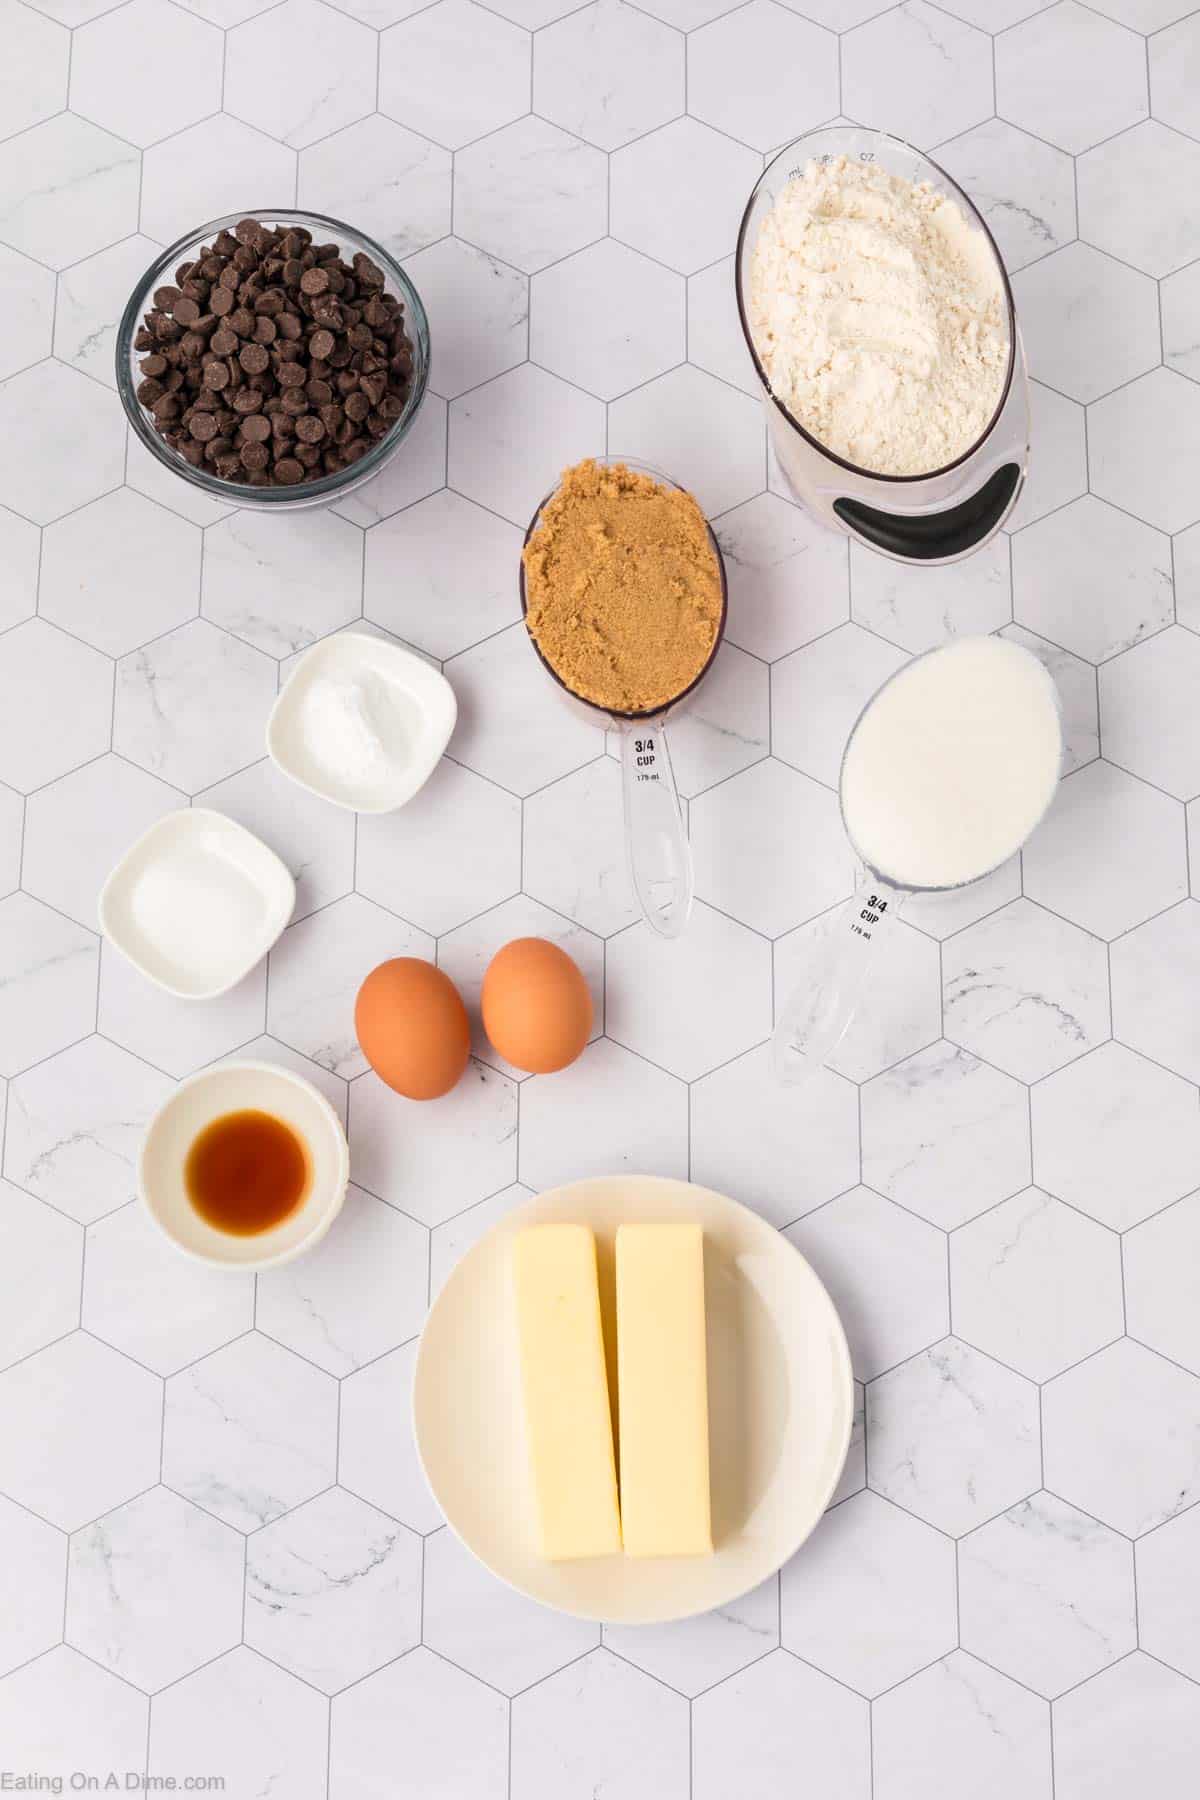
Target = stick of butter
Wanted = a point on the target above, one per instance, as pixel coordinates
(567, 1417)
(662, 1386)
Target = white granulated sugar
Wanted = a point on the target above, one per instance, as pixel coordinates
(878, 313)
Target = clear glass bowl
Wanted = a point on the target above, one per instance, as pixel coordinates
(899, 158)
(326, 488)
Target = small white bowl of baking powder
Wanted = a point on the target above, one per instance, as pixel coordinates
(362, 722)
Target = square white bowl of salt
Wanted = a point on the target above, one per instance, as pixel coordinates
(196, 902)
(362, 722)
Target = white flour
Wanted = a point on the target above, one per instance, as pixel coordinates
(879, 316)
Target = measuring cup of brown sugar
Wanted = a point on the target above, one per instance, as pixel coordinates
(624, 597)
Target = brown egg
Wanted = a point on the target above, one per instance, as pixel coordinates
(412, 1027)
(536, 1006)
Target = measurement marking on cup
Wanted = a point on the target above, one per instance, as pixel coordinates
(870, 914)
(645, 760)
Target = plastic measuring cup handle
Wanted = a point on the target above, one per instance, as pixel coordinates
(660, 858)
(818, 1013)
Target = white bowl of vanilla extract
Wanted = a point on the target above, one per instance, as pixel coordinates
(245, 1166)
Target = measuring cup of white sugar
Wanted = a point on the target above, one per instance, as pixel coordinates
(362, 722)
(949, 769)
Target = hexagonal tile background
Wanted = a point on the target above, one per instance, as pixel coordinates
(997, 1177)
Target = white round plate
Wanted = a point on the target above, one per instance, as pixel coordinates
(236, 1087)
(780, 1405)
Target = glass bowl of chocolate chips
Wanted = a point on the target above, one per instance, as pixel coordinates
(274, 360)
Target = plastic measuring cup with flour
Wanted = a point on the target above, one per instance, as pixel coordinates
(948, 770)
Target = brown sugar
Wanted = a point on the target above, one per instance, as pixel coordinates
(623, 589)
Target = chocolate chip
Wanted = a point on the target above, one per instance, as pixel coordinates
(254, 358)
(309, 429)
(203, 427)
(255, 455)
(221, 299)
(256, 429)
(165, 298)
(264, 329)
(185, 310)
(150, 390)
(314, 281)
(288, 470)
(223, 342)
(153, 364)
(216, 374)
(320, 344)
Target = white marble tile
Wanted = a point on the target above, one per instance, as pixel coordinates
(1152, 971)
(762, 74)
(315, 839)
(377, 1458)
(434, 1159)
(12, 826)
(1168, 1565)
(447, 1731)
(155, 1589)
(120, 571)
(333, 1591)
(1046, 1594)
(382, 179)
(323, 69)
(928, 74)
(600, 1724)
(75, 1124)
(450, 1241)
(870, 1597)
(1024, 188)
(485, 1627)
(854, 1471)
(694, 1003)
(146, 475)
(280, 584)
(900, 1011)
(268, 1049)
(1089, 324)
(958, 1723)
(401, 854)
(177, 1036)
(33, 1558)
(465, 953)
(250, 1432)
(1173, 64)
(417, 469)
(514, 724)
(442, 574)
(1127, 193)
(1110, 853)
(41, 1256)
(105, 1444)
(1131, 1722)
(608, 74)
(1178, 301)
(273, 1735)
(530, 194)
(107, 75)
(1116, 1136)
(716, 342)
(482, 311)
(699, 431)
(1161, 1287)
(360, 1292)
(33, 83)
(1121, 1437)
(818, 693)
(66, 190)
(752, 1733)
(78, 828)
(48, 974)
(1073, 114)
(142, 1297)
(39, 410)
(573, 848)
(1035, 1284)
(91, 298)
(317, 968)
(208, 171)
(1123, 565)
(1161, 675)
(886, 1273)
(607, 319)
(56, 700)
(843, 15)
(724, 726)
(27, 296)
(918, 607)
(945, 1135)
(1025, 990)
(61, 1714)
(641, 1128)
(193, 706)
(511, 438)
(1059, 470)
(781, 1150)
(678, 193)
(455, 72)
(20, 546)
(747, 866)
(691, 1655)
(953, 1436)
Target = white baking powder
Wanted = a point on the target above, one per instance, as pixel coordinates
(349, 727)
(879, 316)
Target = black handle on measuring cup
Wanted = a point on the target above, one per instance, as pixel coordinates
(930, 537)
